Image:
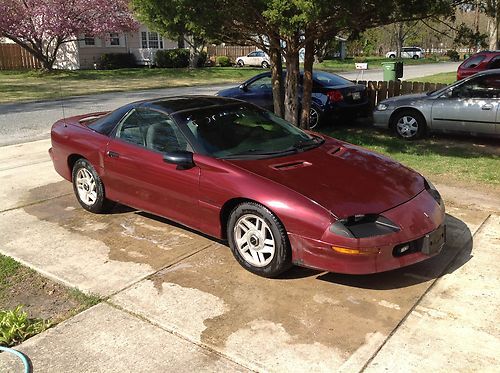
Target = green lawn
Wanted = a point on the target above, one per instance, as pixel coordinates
(446, 78)
(463, 159)
(36, 85)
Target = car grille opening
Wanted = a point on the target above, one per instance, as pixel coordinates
(290, 165)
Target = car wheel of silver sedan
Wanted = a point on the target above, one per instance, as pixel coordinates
(409, 125)
(314, 118)
(88, 187)
(258, 240)
(240, 63)
(265, 65)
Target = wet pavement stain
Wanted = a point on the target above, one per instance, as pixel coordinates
(337, 311)
(45, 192)
(130, 235)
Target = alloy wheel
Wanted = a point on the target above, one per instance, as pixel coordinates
(86, 186)
(254, 240)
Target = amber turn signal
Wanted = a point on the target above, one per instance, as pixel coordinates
(345, 250)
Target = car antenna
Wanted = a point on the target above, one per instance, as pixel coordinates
(62, 102)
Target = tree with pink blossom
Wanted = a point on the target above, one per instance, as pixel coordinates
(43, 26)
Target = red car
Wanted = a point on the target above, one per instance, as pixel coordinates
(478, 62)
(234, 171)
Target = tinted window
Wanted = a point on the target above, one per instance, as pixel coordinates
(242, 130)
(262, 83)
(494, 63)
(473, 62)
(327, 79)
(253, 54)
(487, 86)
(152, 130)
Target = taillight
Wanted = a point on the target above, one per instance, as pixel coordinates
(335, 96)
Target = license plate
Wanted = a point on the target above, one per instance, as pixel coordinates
(434, 241)
(356, 95)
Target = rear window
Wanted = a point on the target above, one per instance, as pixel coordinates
(327, 79)
(473, 62)
(107, 123)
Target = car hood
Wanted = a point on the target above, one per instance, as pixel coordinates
(406, 99)
(343, 178)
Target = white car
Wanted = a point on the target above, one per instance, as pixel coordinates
(407, 52)
(256, 58)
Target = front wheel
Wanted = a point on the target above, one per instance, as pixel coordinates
(240, 63)
(88, 187)
(409, 125)
(258, 240)
(314, 118)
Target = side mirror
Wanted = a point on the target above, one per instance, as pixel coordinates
(182, 158)
(447, 94)
(243, 87)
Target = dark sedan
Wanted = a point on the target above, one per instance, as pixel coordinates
(332, 95)
(279, 195)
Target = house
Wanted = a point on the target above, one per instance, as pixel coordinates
(85, 52)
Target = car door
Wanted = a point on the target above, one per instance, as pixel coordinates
(469, 107)
(136, 174)
(251, 59)
(259, 92)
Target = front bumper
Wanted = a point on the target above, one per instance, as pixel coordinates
(382, 118)
(422, 229)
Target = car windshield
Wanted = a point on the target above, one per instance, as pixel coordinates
(244, 131)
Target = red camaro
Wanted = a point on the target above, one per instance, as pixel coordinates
(279, 195)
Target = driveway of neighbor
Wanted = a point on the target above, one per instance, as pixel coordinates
(29, 121)
(176, 300)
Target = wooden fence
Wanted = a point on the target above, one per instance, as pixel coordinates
(12, 56)
(231, 51)
(379, 91)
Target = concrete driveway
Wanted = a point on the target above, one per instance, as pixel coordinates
(21, 122)
(176, 300)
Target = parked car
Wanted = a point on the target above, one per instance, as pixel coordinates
(469, 105)
(407, 52)
(478, 62)
(256, 58)
(235, 171)
(332, 96)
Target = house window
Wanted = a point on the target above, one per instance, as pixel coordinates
(89, 40)
(151, 40)
(114, 39)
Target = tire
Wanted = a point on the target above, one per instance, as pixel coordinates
(255, 227)
(88, 188)
(314, 117)
(415, 57)
(265, 65)
(392, 56)
(409, 125)
(240, 63)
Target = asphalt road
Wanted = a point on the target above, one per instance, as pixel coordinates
(28, 121)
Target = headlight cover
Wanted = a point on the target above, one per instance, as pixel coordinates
(363, 226)
(382, 106)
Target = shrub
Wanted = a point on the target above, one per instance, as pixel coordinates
(223, 61)
(202, 59)
(453, 54)
(172, 58)
(15, 326)
(111, 61)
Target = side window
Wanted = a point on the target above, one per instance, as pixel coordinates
(494, 63)
(253, 54)
(262, 83)
(473, 62)
(130, 129)
(260, 54)
(151, 129)
(487, 86)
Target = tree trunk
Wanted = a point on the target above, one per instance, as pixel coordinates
(307, 84)
(292, 81)
(277, 76)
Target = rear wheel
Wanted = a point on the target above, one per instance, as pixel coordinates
(392, 56)
(415, 57)
(409, 125)
(258, 240)
(88, 188)
(265, 65)
(314, 117)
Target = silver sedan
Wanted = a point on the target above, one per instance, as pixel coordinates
(468, 106)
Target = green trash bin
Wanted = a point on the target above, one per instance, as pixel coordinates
(392, 70)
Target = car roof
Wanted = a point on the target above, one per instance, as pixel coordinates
(171, 105)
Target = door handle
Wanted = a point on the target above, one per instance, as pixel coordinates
(487, 107)
(112, 154)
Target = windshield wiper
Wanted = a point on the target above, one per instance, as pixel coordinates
(259, 152)
(305, 144)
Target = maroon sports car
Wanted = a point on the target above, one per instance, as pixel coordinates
(279, 195)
